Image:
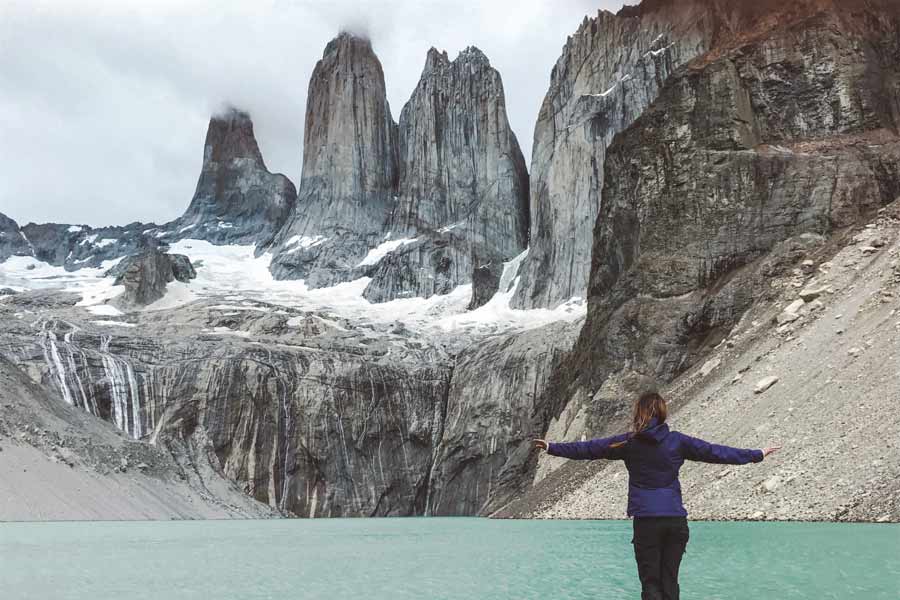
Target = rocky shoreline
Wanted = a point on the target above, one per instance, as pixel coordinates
(821, 382)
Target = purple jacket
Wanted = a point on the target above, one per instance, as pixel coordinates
(653, 458)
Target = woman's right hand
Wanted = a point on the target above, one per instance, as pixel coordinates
(770, 450)
(541, 444)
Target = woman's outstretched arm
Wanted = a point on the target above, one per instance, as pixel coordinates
(588, 450)
(696, 449)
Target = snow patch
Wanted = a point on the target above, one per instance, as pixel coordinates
(26, 272)
(497, 314)
(237, 280)
(105, 310)
(227, 331)
(660, 51)
(177, 294)
(304, 242)
(383, 249)
(75, 228)
(607, 92)
(113, 323)
(239, 308)
(449, 228)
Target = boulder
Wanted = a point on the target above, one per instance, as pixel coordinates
(146, 275)
(764, 384)
(811, 292)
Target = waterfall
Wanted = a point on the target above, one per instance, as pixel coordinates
(123, 391)
(60, 359)
(66, 371)
(53, 360)
(136, 429)
(87, 400)
(117, 390)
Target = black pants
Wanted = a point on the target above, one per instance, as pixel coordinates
(659, 543)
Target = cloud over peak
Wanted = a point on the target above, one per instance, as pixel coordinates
(104, 105)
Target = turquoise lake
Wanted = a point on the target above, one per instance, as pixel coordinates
(442, 558)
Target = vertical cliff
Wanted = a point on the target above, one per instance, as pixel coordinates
(496, 404)
(784, 133)
(307, 414)
(792, 131)
(237, 199)
(463, 182)
(610, 70)
(350, 170)
(434, 200)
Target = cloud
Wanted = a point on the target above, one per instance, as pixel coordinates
(104, 104)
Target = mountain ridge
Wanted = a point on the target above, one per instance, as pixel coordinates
(693, 170)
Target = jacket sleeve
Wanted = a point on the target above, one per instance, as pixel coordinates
(696, 449)
(591, 449)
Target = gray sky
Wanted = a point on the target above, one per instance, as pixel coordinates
(104, 103)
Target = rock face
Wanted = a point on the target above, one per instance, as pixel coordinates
(308, 413)
(822, 394)
(237, 199)
(420, 208)
(463, 184)
(78, 246)
(312, 418)
(461, 165)
(723, 184)
(609, 73)
(494, 410)
(784, 131)
(52, 451)
(145, 276)
(730, 161)
(350, 169)
(12, 240)
(611, 69)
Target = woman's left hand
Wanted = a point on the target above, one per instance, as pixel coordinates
(541, 444)
(770, 450)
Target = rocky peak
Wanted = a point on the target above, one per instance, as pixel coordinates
(435, 59)
(237, 199)
(12, 241)
(454, 136)
(350, 169)
(473, 54)
(229, 137)
(464, 185)
(348, 124)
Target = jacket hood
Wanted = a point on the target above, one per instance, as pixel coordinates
(654, 431)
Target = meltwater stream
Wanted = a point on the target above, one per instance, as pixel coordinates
(436, 558)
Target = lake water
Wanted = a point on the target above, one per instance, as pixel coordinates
(468, 559)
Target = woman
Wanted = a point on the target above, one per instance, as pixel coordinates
(653, 455)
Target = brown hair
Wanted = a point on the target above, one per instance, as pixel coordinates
(647, 406)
